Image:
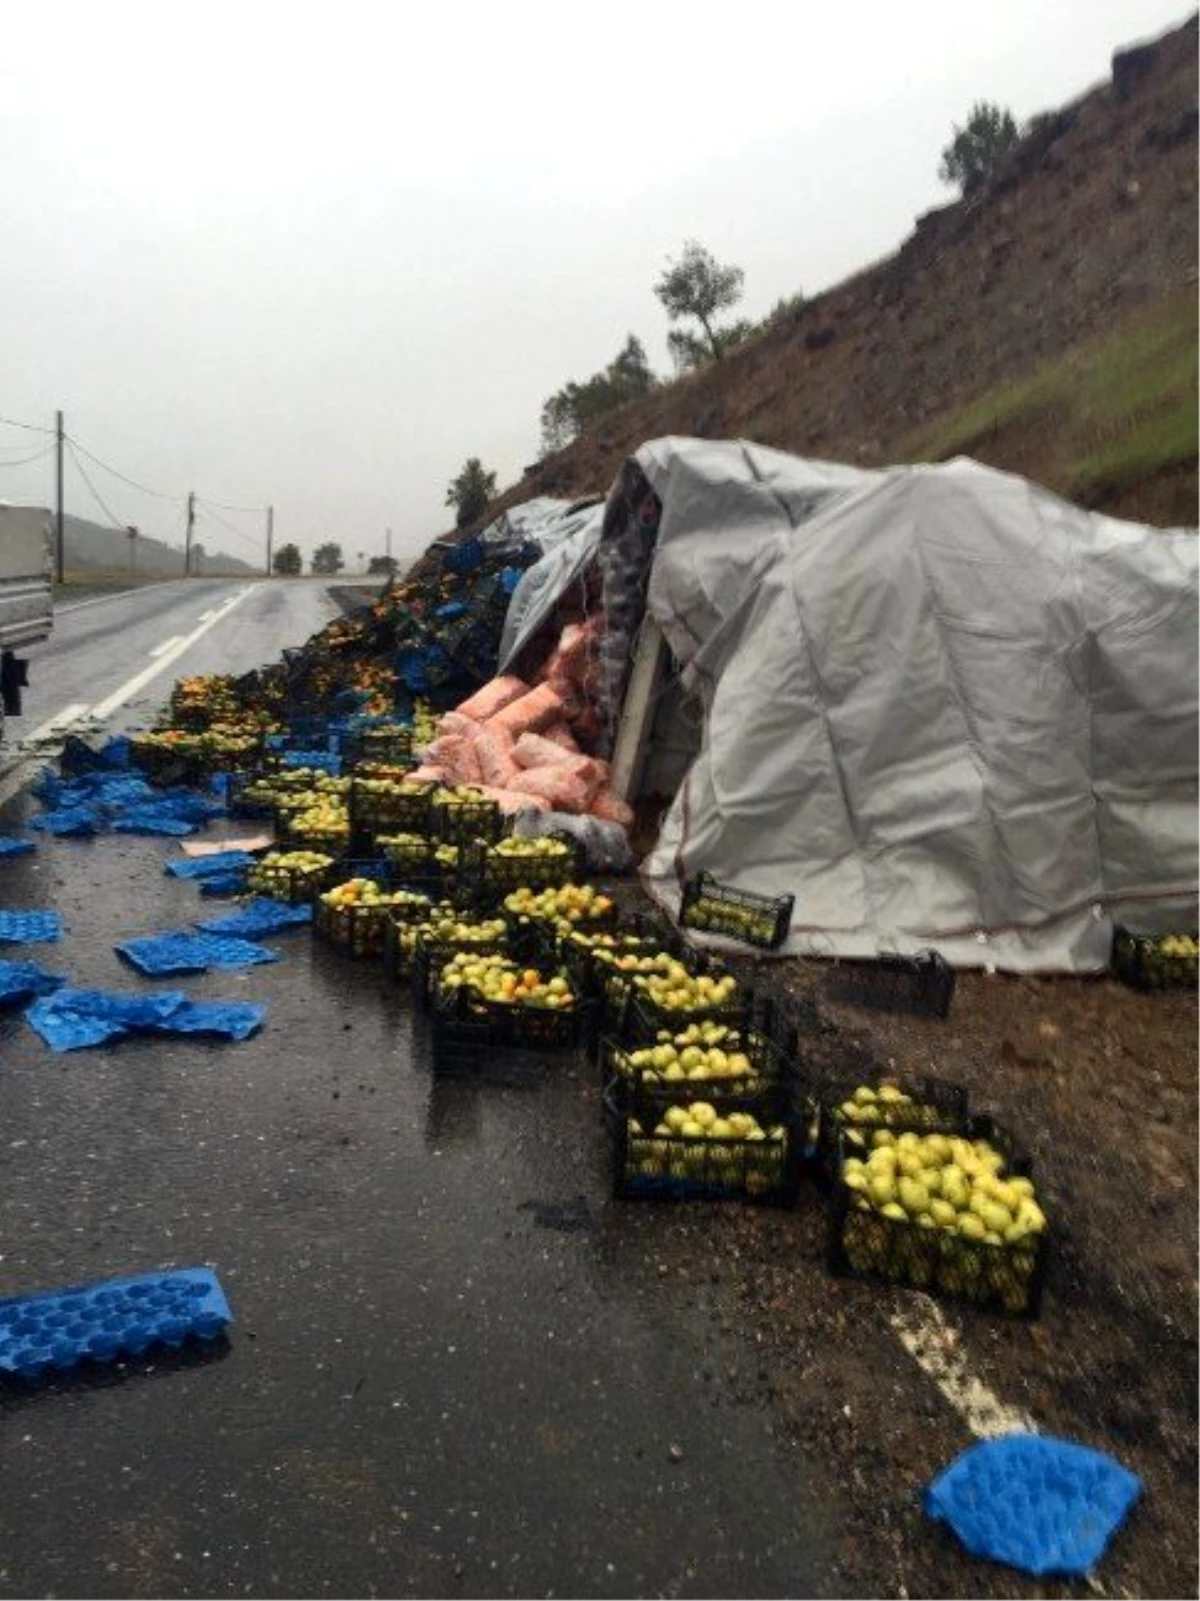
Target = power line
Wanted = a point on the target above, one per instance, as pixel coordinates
(133, 484)
(30, 427)
(224, 507)
(207, 505)
(25, 460)
(116, 522)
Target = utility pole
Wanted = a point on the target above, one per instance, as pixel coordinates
(59, 537)
(389, 549)
(270, 535)
(191, 523)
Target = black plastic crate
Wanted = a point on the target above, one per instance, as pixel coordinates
(432, 953)
(648, 1164)
(252, 793)
(713, 908)
(637, 1018)
(389, 808)
(921, 985)
(865, 1243)
(492, 872)
(360, 928)
(457, 823)
(466, 1030)
(937, 1107)
(1140, 961)
(293, 835)
(297, 885)
(769, 1066)
(388, 743)
(400, 938)
(167, 763)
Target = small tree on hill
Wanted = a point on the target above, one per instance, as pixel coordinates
(327, 559)
(577, 406)
(976, 148)
(471, 491)
(697, 285)
(287, 561)
(382, 564)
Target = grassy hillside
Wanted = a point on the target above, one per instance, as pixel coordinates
(1045, 324)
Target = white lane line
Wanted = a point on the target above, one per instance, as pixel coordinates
(128, 690)
(205, 615)
(936, 1348)
(117, 594)
(168, 644)
(56, 724)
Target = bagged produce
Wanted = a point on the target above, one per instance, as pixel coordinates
(511, 801)
(533, 711)
(427, 774)
(533, 750)
(568, 789)
(493, 697)
(494, 748)
(468, 763)
(459, 724)
(561, 735)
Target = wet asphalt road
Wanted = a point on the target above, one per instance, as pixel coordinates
(456, 1367)
(102, 646)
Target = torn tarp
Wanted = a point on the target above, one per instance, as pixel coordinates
(73, 1019)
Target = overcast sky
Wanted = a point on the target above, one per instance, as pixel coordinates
(317, 256)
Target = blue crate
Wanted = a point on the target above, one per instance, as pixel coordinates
(464, 557)
(24, 981)
(115, 1317)
(160, 955)
(26, 928)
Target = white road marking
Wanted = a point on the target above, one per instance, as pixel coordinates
(935, 1347)
(205, 615)
(117, 594)
(128, 690)
(56, 724)
(167, 644)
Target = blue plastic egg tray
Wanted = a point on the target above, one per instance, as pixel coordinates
(117, 1317)
(160, 955)
(23, 928)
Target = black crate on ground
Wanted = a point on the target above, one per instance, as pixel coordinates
(771, 1066)
(713, 908)
(457, 823)
(401, 934)
(174, 762)
(466, 1030)
(296, 885)
(937, 1107)
(649, 1164)
(389, 808)
(391, 743)
(637, 1019)
(251, 793)
(863, 1243)
(432, 954)
(359, 928)
(292, 835)
(1140, 961)
(921, 985)
(417, 863)
(492, 873)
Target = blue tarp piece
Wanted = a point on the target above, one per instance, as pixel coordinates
(452, 608)
(149, 820)
(235, 1020)
(209, 866)
(24, 981)
(73, 1019)
(46, 787)
(109, 1318)
(15, 847)
(226, 883)
(69, 822)
(29, 928)
(161, 955)
(1037, 1503)
(261, 916)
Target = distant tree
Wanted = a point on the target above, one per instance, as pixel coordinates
(288, 561)
(382, 564)
(698, 286)
(577, 407)
(327, 559)
(972, 154)
(471, 491)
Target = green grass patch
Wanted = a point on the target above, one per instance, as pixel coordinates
(1108, 416)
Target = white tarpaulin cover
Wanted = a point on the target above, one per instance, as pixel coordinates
(942, 706)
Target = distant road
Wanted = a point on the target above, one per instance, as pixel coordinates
(111, 660)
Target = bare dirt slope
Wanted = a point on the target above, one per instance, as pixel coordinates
(1089, 227)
